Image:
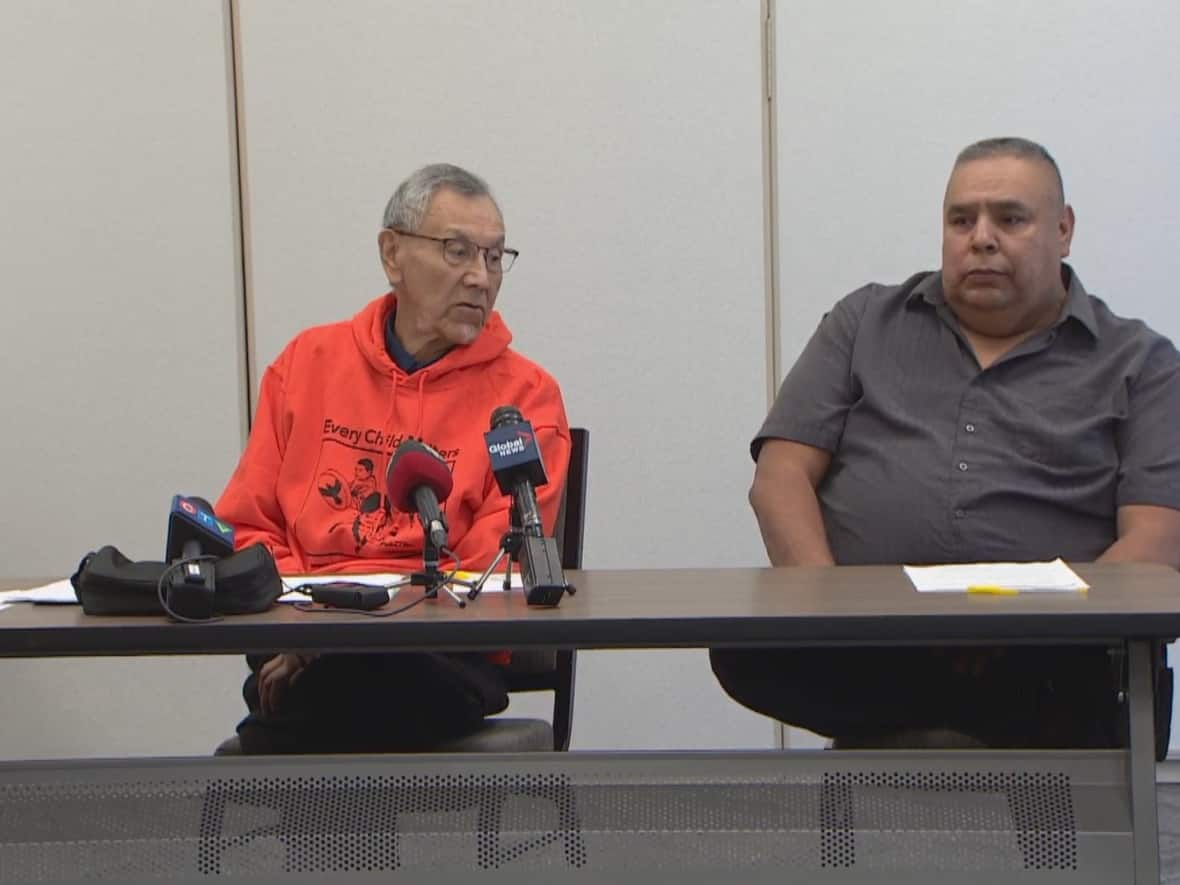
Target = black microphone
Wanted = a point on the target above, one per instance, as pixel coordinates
(417, 480)
(195, 537)
(193, 530)
(517, 465)
(518, 468)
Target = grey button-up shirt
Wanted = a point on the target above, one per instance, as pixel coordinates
(937, 460)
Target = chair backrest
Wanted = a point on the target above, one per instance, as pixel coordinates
(540, 670)
(571, 514)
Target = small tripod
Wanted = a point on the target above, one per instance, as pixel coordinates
(433, 579)
(510, 545)
(537, 557)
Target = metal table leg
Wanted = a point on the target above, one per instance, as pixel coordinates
(1141, 758)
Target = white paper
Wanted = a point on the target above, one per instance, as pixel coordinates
(58, 591)
(495, 581)
(1021, 577)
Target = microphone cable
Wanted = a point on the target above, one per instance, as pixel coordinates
(312, 608)
(163, 597)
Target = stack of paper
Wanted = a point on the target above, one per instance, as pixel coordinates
(61, 592)
(996, 577)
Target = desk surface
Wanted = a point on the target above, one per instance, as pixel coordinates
(650, 608)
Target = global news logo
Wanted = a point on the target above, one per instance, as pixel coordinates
(518, 446)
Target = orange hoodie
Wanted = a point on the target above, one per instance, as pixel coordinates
(332, 409)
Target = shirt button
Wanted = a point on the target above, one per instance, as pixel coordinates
(959, 514)
(963, 465)
(970, 428)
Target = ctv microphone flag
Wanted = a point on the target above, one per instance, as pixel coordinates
(192, 520)
(195, 537)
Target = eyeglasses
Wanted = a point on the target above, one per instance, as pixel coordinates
(458, 251)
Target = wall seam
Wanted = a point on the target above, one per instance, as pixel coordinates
(770, 200)
(242, 219)
(770, 231)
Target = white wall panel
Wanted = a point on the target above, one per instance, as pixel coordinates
(119, 347)
(623, 139)
(875, 99)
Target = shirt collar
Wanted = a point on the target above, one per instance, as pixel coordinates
(1078, 304)
(1077, 301)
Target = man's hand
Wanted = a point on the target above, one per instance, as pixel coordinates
(277, 675)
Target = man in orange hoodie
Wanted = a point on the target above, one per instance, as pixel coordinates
(429, 360)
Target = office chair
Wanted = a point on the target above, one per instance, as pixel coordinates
(530, 669)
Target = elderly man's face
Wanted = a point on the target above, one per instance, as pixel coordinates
(1005, 232)
(440, 305)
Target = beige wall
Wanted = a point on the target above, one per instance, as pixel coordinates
(121, 377)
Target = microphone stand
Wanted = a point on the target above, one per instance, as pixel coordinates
(510, 545)
(536, 555)
(432, 578)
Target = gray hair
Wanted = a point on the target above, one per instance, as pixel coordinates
(1011, 146)
(408, 203)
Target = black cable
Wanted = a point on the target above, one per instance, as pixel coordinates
(167, 573)
(309, 608)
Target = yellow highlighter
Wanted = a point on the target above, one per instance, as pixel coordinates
(992, 590)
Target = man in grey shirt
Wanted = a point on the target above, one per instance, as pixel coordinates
(990, 411)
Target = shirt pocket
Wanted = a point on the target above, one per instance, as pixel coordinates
(1066, 435)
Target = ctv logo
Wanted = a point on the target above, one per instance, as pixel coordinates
(208, 520)
(518, 446)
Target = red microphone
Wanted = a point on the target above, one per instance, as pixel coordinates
(416, 481)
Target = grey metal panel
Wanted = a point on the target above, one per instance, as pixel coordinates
(823, 816)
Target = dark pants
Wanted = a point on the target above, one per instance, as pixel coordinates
(374, 703)
(1017, 696)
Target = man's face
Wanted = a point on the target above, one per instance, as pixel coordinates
(1005, 231)
(440, 305)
